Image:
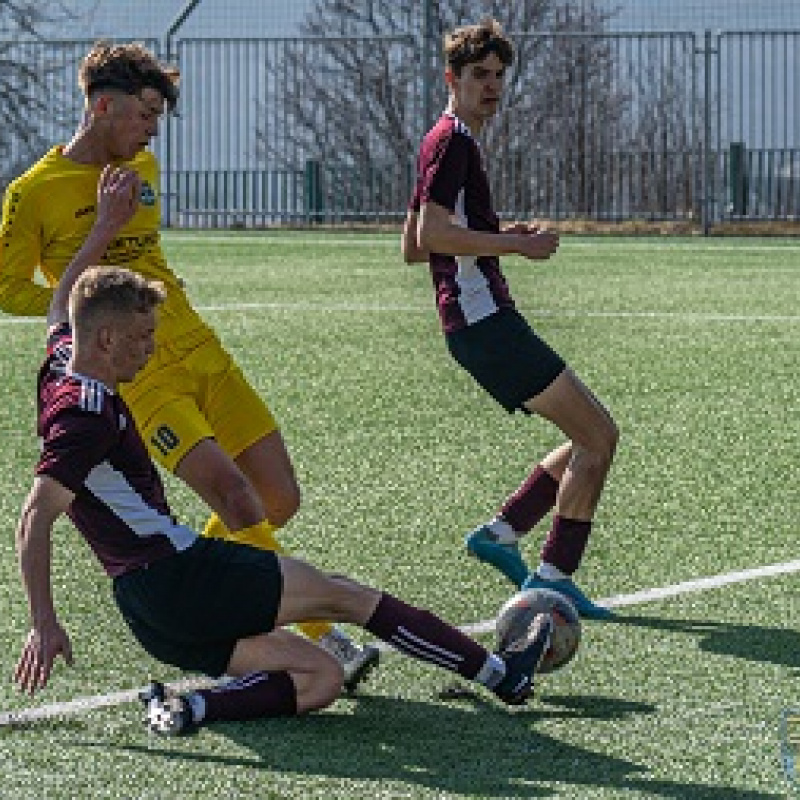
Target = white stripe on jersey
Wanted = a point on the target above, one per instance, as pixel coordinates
(92, 395)
(475, 297)
(111, 488)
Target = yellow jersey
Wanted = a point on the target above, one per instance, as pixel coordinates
(48, 213)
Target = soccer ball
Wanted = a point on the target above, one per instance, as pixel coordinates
(517, 613)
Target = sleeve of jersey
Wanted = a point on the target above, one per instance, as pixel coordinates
(75, 443)
(443, 172)
(20, 253)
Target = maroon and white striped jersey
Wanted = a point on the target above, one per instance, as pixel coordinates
(91, 446)
(450, 173)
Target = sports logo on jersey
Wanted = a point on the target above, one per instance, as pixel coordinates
(147, 197)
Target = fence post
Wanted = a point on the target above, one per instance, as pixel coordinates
(182, 16)
(313, 190)
(738, 177)
(708, 152)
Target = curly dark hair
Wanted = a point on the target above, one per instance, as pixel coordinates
(472, 43)
(127, 68)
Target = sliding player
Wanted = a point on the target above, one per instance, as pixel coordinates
(199, 416)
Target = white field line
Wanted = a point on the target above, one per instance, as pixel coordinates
(91, 703)
(390, 239)
(379, 308)
(687, 587)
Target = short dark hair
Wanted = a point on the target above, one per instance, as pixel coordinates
(112, 289)
(127, 68)
(472, 43)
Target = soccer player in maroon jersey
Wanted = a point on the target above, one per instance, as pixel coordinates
(182, 594)
(452, 225)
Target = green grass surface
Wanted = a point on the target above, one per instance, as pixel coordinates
(693, 346)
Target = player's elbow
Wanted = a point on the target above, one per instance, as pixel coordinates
(430, 241)
(412, 252)
(431, 230)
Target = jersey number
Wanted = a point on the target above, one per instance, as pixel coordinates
(164, 439)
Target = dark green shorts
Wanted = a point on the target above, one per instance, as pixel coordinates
(190, 609)
(506, 358)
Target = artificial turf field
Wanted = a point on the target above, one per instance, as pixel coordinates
(692, 344)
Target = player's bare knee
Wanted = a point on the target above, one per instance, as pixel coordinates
(349, 600)
(611, 436)
(238, 504)
(283, 505)
(591, 463)
(601, 449)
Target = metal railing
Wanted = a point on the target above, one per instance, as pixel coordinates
(601, 126)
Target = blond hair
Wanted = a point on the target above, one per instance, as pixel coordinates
(116, 290)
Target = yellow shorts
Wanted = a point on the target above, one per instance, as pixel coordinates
(193, 392)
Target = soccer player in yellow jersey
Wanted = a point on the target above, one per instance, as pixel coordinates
(197, 413)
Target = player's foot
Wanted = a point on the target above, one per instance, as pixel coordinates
(482, 543)
(522, 659)
(356, 661)
(166, 715)
(583, 605)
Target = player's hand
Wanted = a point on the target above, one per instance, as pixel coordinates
(520, 227)
(36, 661)
(118, 192)
(537, 244)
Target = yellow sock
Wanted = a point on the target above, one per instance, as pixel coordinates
(262, 536)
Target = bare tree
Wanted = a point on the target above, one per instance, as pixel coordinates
(351, 93)
(666, 136)
(30, 81)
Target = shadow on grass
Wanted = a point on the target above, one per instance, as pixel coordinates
(477, 749)
(779, 646)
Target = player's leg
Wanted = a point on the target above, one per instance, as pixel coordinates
(497, 541)
(416, 632)
(186, 610)
(268, 467)
(569, 404)
(212, 609)
(274, 674)
(511, 363)
(247, 459)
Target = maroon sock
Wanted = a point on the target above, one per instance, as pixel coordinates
(259, 694)
(425, 636)
(566, 542)
(534, 498)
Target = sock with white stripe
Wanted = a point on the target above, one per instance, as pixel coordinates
(256, 695)
(422, 635)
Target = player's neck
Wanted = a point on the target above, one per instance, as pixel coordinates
(87, 148)
(91, 368)
(475, 124)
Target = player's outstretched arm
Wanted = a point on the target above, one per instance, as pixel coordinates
(46, 500)
(118, 193)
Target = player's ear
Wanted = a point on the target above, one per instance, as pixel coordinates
(99, 105)
(104, 337)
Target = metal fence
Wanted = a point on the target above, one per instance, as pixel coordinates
(606, 126)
